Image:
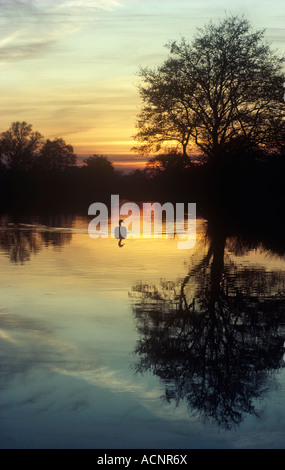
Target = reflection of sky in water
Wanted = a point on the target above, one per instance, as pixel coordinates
(67, 340)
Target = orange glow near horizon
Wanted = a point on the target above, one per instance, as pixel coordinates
(120, 161)
(136, 164)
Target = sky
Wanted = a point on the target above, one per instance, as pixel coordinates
(70, 68)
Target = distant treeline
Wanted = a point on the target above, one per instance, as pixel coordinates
(43, 175)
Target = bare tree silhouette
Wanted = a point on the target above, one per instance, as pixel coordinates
(226, 85)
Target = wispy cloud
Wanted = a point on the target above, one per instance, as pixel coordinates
(84, 5)
(30, 28)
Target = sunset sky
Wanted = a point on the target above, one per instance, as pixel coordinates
(69, 67)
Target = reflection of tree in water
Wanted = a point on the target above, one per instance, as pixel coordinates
(19, 240)
(214, 337)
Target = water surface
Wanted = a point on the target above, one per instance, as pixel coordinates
(144, 346)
